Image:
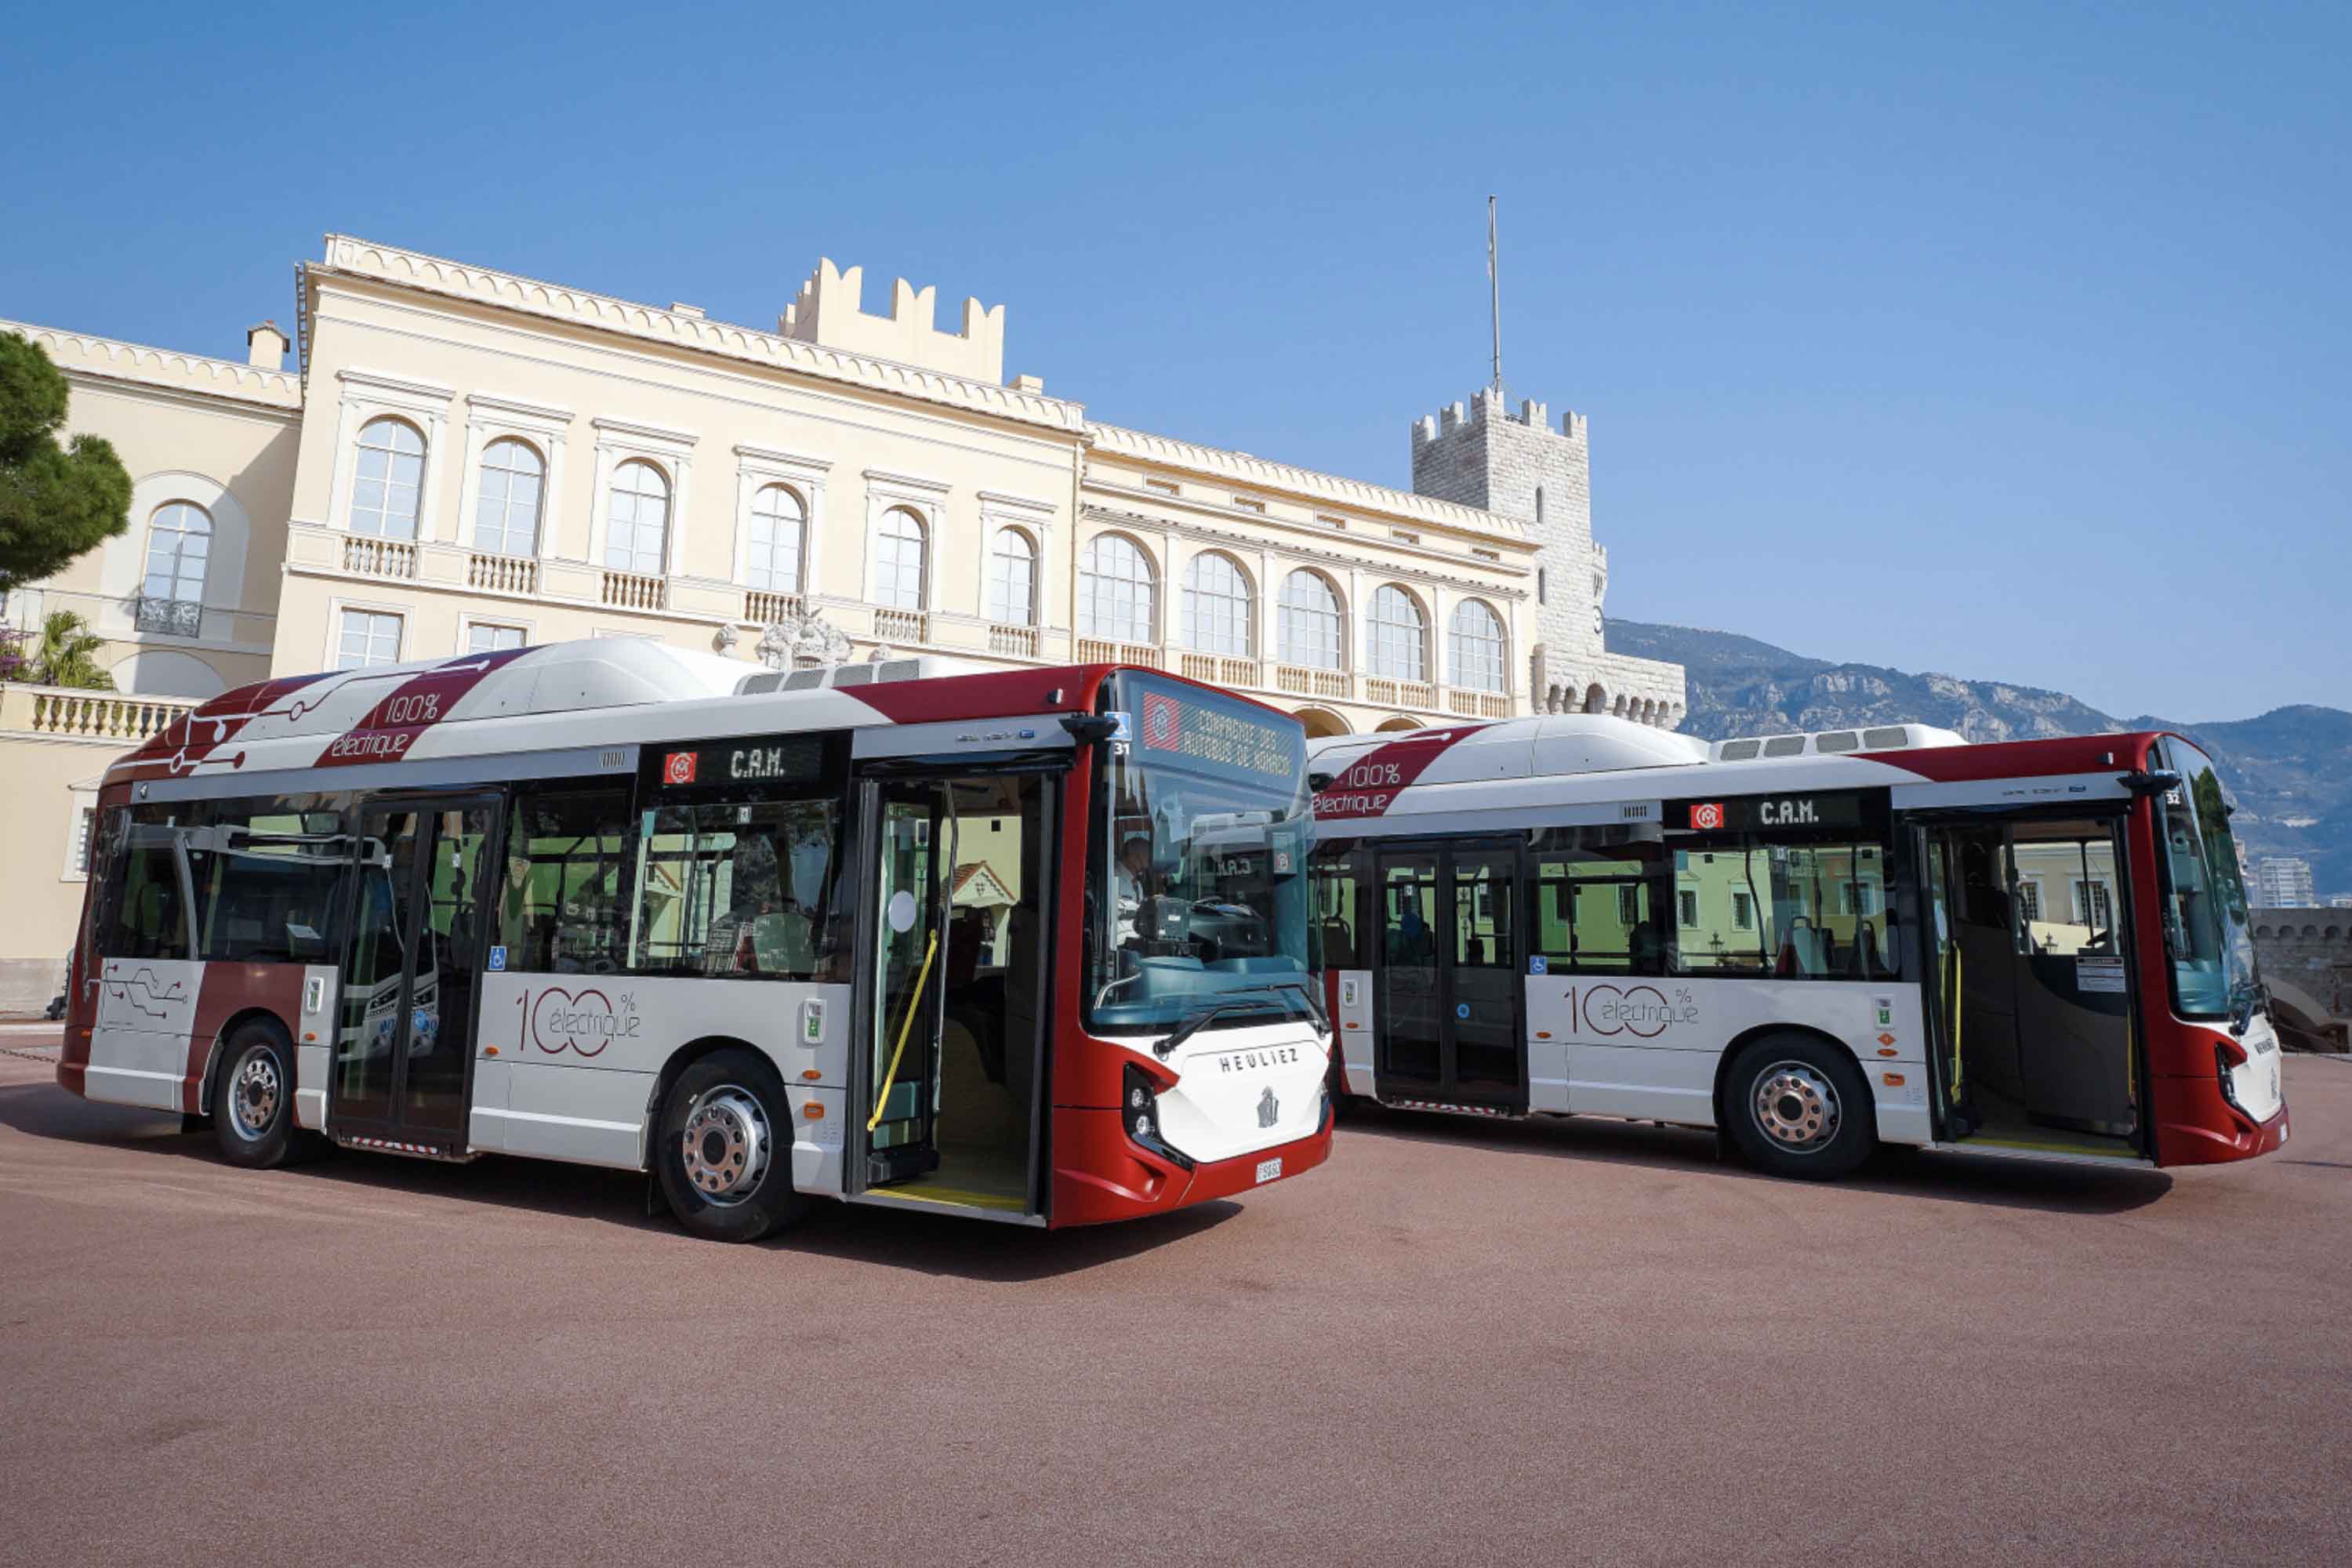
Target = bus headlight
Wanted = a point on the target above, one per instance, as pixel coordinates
(1138, 1110)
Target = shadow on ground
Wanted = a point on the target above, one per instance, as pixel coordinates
(885, 1238)
(2042, 1186)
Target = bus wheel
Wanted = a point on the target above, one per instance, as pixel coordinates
(253, 1097)
(724, 1150)
(1798, 1106)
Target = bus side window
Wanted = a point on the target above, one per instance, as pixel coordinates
(559, 908)
(148, 916)
(1336, 917)
(1603, 908)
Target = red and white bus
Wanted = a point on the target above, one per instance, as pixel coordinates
(1815, 943)
(1029, 946)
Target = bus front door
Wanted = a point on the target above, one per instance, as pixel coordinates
(2032, 965)
(953, 920)
(1448, 1000)
(404, 1053)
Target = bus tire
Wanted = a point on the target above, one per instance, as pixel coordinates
(1798, 1106)
(253, 1097)
(723, 1148)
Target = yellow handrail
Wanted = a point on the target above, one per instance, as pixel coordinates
(882, 1098)
(1956, 1023)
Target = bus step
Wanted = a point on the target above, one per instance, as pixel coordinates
(1494, 1112)
(413, 1150)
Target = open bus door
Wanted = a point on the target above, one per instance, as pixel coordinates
(955, 895)
(2030, 985)
(401, 1065)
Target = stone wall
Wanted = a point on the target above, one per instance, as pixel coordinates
(2305, 956)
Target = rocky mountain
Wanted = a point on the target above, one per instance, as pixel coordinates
(2290, 769)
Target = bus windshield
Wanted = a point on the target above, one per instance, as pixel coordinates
(2205, 924)
(1198, 890)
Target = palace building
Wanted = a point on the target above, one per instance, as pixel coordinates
(459, 458)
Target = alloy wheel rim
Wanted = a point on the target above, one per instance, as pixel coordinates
(727, 1145)
(255, 1090)
(1795, 1107)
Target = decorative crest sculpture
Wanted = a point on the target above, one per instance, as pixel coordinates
(806, 641)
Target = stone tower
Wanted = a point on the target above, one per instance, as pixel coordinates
(1517, 465)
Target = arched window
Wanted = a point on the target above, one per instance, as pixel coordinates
(1400, 636)
(1308, 624)
(1217, 606)
(389, 478)
(1475, 656)
(179, 549)
(636, 530)
(771, 561)
(1116, 591)
(1011, 578)
(899, 565)
(506, 507)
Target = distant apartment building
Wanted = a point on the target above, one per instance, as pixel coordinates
(459, 460)
(2339, 901)
(2283, 882)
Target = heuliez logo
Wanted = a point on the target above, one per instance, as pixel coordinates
(1706, 817)
(677, 768)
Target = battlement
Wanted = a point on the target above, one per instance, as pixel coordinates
(829, 310)
(1488, 405)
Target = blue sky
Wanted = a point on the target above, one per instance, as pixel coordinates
(2005, 340)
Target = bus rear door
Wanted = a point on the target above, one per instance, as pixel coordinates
(1448, 1002)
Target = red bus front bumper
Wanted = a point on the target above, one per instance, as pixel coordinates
(2197, 1125)
(1101, 1175)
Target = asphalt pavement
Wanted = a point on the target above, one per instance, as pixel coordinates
(1459, 1341)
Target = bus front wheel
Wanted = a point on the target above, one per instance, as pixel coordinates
(253, 1097)
(1798, 1106)
(724, 1152)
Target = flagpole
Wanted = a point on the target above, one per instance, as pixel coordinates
(1494, 295)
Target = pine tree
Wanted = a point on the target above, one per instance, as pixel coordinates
(55, 502)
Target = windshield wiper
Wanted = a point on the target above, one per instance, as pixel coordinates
(2245, 997)
(1315, 1013)
(1192, 1023)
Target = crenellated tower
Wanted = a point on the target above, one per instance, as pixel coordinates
(1516, 463)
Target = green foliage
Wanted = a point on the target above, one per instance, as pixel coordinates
(55, 502)
(66, 654)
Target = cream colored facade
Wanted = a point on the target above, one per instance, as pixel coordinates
(697, 481)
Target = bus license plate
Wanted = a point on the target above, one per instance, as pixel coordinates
(1269, 1170)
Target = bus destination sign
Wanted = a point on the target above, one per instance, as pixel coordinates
(1767, 813)
(764, 759)
(1203, 729)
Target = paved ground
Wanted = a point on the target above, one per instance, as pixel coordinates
(1457, 1343)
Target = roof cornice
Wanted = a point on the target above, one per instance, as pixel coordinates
(109, 359)
(348, 256)
(1334, 489)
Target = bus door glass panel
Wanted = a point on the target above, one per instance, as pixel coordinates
(909, 959)
(1931, 852)
(404, 1035)
(370, 1030)
(2073, 1000)
(450, 952)
(1409, 1037)
(1484, 990)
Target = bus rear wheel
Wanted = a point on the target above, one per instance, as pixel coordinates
(723, 1153)
(253, 1097)
(1798, 1106)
